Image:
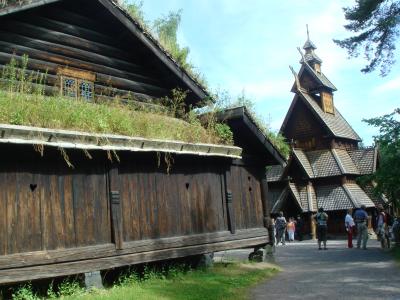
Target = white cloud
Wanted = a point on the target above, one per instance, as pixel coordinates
(389, 86)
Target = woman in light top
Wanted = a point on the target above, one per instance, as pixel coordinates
(291, 228)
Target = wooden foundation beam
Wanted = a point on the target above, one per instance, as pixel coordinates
(70, 268)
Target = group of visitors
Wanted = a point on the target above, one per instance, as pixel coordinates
(292, 227)
(383, 223)
(358, 221)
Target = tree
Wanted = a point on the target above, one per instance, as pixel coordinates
(165, 30)
(387, 177)
(376, 24)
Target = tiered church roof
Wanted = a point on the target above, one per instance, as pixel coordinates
(326, 158)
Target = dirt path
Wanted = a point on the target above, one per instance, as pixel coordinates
(337, 273)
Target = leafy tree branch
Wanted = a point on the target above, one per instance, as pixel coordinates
(376, 27)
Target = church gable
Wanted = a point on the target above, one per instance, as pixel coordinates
(302, 128)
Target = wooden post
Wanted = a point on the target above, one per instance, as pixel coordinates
(313, 227)
(116, 219)
(229, 204)
(266, 209)
(265, 203)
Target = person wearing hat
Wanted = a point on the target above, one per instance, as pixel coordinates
(321, 218)
(361, 219)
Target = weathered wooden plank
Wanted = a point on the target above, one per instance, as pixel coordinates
(265, 203)
(163, 220)
(115, 198)
(64, 14)
(69, 217)
(31, 273)
(36, 32)
(50, 22)
(105, 250)
(88, 56)
(3, 209)
(80, 64)
(225, 224)
(134, 192)
(231, 216)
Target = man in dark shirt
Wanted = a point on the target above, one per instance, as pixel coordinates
(361, 220)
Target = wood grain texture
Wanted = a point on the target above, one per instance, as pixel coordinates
(69, 268)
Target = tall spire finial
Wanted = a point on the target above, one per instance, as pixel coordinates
(308, 33)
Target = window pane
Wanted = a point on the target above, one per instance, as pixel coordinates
(86, 90)
(69, 88)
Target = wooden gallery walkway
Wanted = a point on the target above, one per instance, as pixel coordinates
(338, 273)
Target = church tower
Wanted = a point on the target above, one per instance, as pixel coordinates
(326, 159)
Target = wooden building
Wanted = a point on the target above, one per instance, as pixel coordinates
(58, 220)
(326, 158)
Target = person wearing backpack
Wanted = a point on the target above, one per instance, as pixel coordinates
(280, 225)
(321, 218)
(382, 227)
(361, 220)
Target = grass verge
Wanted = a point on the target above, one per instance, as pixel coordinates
(223, 281)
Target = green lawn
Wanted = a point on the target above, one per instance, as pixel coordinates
(223, 281)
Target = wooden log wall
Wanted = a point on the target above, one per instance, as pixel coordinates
(69, 34)
(47, 206)
(246, 193)
(305, 129)
(106, 215)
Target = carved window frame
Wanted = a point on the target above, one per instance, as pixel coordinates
(76, 79)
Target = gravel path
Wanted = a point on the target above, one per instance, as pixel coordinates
(337, 273)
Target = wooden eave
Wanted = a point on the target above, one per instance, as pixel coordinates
(26, 135)
(291, 109)
(10, 9)
(306, 67)
(302, 165)
(240, 113)
(138, 31)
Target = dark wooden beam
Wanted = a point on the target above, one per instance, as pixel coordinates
(83, 266)
(116, 216)
(107, 250)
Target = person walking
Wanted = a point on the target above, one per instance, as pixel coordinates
(361, 220)
(382, 229)
(280, 225)
(321, 219)
(291, 227)
(349, 223)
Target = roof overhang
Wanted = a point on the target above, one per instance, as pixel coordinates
(240, 114)
(26, 135)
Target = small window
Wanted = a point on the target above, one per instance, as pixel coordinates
(77, 83)
(69, 87)
(85, 90)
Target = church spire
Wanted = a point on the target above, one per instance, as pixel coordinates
(310, 57)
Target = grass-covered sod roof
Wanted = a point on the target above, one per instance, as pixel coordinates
(107, 118)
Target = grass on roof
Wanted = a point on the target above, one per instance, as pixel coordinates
(111, 118)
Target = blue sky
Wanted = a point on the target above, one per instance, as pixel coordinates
(249, 45)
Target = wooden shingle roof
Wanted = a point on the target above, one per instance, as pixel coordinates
(364, 159)
(274, 173)
(335, 123)
(336, 162)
